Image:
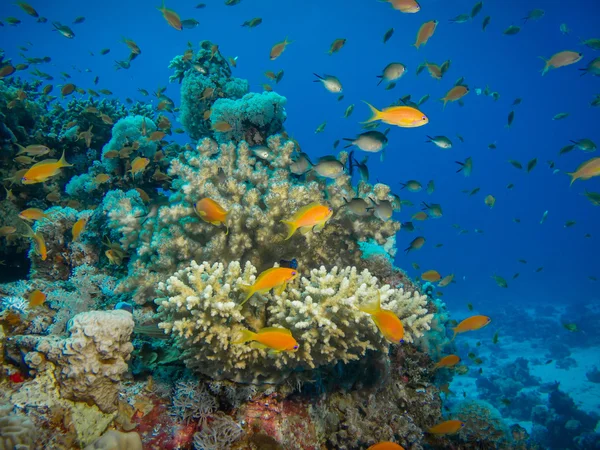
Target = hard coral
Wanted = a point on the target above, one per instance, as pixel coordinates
(203, 305)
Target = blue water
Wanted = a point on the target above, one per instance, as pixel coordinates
(510, 65)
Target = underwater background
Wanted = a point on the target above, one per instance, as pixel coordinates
(113, 337)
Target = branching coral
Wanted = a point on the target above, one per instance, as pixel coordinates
(219, 434)
(204, 315)
(257, 198)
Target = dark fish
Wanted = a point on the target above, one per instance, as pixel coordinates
(290, 264)
(79, 20)
(105, 51)
(189, 23)
(486, 22)
(388, 34)
(531, 165)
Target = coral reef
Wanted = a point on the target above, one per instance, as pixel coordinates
(203, 305)
(16, 432)
(116, 440)
(91, 362)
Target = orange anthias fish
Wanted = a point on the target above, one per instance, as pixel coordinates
(79, 227)
(405, 6)
(138, 165)
(447, 361)
(171, 17)
(211, 212)
(313, 216)
(36, 298)
(447, 427)
(586, 171)
(446, 280)
(386, 446)
(454, 94)
(431, 275)
(388, 323)
(470, 324)
(32, 214)
(278, 49)
(40, 172)
(273, 338)
(275, 278)
(561, 59)
(401, 116)
(39, 244)
(425, 33)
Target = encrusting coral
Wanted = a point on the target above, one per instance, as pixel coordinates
(91, 362)
(203, 313)
(257, 196)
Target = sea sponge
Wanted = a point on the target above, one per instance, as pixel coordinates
(202, 312)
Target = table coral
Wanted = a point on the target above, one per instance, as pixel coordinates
(202, 311)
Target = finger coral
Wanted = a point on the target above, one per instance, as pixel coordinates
(203, 313)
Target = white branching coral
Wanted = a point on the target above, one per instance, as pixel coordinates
(202, 312)
(257, 196)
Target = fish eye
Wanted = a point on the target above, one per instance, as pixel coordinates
(293, 273)
(424, 118)
(295, 347)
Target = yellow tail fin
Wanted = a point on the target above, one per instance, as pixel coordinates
(249, 293)
(376, 114)
(62, 162)
(244, 336)
(292, 227)
(372, 308)
(573, 178)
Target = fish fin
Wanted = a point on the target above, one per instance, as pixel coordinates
(454, 335)
(258, 346)
(376, 114)
(380, 81)
(372, 308)
(23, 150)
(318, 76)
(273, 352)
(244, 336)
(292, 227)
(226, 229)
(62, 162)
(573, 178)
(305, 230)
(319, 227)
(546, 67)
(248, 290)
(270, 329)
(278, 290)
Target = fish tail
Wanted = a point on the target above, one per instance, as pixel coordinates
(292, 227)
(318, 76)
(454, 335)
(161, 8)
(380, 81)
(21, 149)
(62, 162)
(573, 178)
(546, 67)
(372, 308)
(244, 336)
(376, 114)
(430, 139)
(248, 290)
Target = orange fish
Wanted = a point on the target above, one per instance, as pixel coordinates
(431, 275)
(405, 6)
(421, 215)
(171, 17)
(101, 178)
(454, 94)
(561, 59)
(7, 230)
(138, 165)
(79, 227)
(156, 135)
(401, 116)
(447, 361)
(278, 49)
(336, 46)
(447, 427)
(446, 280)
(276, 339)
(470, 324)
(32, 214)
(222, 126)
(386, 446)
(40, 172)
(313, 216)
(39, 245)
(275, 278)
(425, 32)
(36, 298)
(143, 195)
(211, 212)
(586, 171)
(388, 323)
